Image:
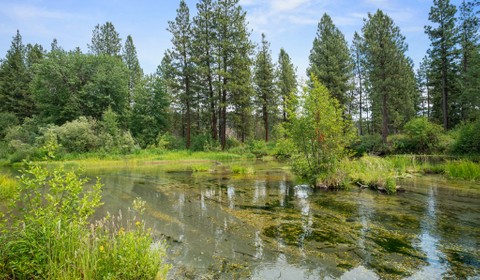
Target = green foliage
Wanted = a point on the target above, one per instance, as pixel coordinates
(320, 134)
(330, 60)
(204, 142)
(369, 144)
(105, 40)
(468, 141)
(287, 85)
(374, 172)
(258, 148)
(284, 149)
(7, 120)
(463, 169)
(8, 188)
(421, 137)
(266, 95)
(47, 233)
(389, 74)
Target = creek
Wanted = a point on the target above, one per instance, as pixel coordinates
(268, 226)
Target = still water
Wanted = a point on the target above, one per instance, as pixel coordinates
(219, 225)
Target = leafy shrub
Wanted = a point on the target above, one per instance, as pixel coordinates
(422, 136)
(369, 144)
(258, 148)
(168, 141)
(203, 142)
(468, 141)
(283, 149)
(79, 135)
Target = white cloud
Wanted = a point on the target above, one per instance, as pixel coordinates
(287, 5)
(30, 12)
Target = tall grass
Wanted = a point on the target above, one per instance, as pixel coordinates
(463, 169)
(374, 172)
(48, 234)
(8, 186)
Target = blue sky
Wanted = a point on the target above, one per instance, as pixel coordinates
(290, 24)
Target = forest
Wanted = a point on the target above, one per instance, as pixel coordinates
(215, 89)
(365, 116)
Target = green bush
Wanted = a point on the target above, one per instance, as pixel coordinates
(422, 136)
(258, 148)
(369, 144)
(78, 136)
(468, 141)
(284, 149)
(204, 142)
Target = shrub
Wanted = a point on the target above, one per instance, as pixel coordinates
(258, 148)
(369, 144)
(422, 136)
(78, 136)
(468, 141)
(204, 142)
(283, 149)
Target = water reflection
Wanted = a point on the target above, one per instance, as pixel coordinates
(267, 227)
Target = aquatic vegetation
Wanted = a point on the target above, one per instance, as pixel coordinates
(240, 169)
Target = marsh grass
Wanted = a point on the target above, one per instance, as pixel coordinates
(8, 186)
(47, 234)
(375, 172)
(243, 170)
(463, 169)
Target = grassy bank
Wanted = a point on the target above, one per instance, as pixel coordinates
(47, 232)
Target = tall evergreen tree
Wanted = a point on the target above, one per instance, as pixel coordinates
(390, 75)
(358, 58)
(443, 54)
(105, 40)
(150, 109)
(469, 71)
(233, 51)
(286, 82)
(204, 42)
(135, 72)
(183, 64)
(330, 60)
(265, 85)
(424, 86)
(14, 81)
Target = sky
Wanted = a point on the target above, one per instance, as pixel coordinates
(288, 24)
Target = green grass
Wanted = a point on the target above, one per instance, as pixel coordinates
(463, 169)
(8, 186)
(374, 172)
(244, 170)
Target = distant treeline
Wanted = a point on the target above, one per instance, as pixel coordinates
(216, 88)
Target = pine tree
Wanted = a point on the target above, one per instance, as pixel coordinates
(286, 82)
(469, 71)
(330, 60)
(233, 50)
(14, 81)
(130, 59)
(443, 55)
(105, 40)
(390, 76)
(264, 85)
(183, 64)
(358, 59)
(204, 41)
